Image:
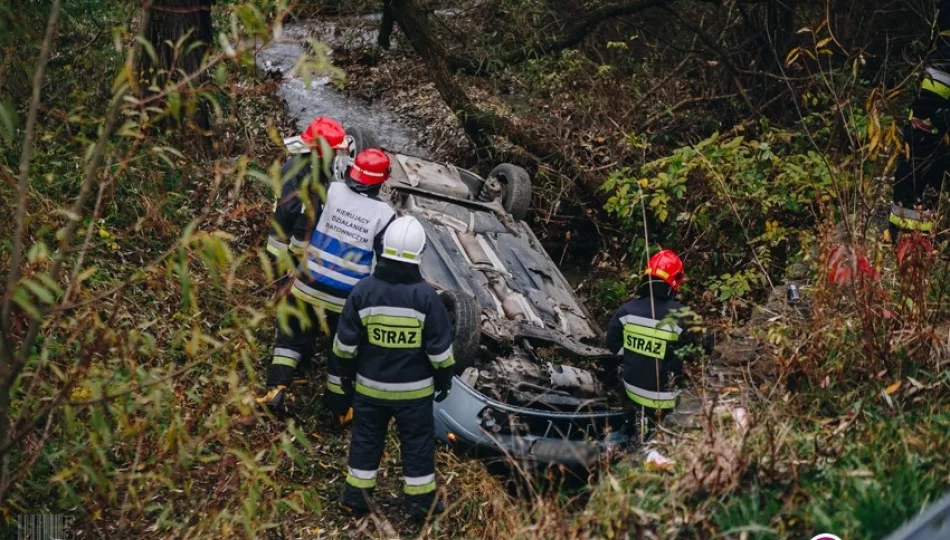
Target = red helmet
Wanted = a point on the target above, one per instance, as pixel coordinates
(327, 129)
(370, 168)
(667, 266)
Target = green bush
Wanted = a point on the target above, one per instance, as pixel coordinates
(751, 203)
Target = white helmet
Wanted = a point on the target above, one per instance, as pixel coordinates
(404, 240)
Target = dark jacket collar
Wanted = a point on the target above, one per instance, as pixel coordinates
(397, 272)
(657, 287)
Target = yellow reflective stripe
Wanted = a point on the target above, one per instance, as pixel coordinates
(284, 361)
(335, 388)
(342, 350)
(297, 246)
(317, 298)
(652, 403)
(651, 323)
(650, 398)
(408, 255)
(275, 246)
(442, 356)
(665, 335)
(394, 311)
(361, 483)
(909, 224)
(448, 362)
(420, 489)
(935, 86)
(393, 395)
(662, 274)
(392, 320)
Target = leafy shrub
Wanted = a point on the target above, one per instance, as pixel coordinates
(749, 202)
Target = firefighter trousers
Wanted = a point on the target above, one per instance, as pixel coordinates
(415, 424)
(294, 347)
(919, 175)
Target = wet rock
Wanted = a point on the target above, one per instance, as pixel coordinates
(737, 351)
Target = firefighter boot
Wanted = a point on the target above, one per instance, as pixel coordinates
(356, 501)
(278, 396)
(277, 399)
(419, 507)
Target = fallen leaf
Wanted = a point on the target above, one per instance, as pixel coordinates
(893, 388)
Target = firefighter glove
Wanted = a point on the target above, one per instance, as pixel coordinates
(443, 385)
(277, 399)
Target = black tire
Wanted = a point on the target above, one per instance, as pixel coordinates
(516, 189)
(359, 139)
(465, 316)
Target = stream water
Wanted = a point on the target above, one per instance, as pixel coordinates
(322, 98)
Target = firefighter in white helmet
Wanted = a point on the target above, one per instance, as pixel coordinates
(393, 346)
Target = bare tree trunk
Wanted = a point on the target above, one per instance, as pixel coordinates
(386, 26)
(180, 32)
(781, 29)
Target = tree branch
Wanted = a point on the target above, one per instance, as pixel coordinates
(582, 28)
(721, 53)
(23, 184)
(478, 124)
(576, 33)
(11, 366)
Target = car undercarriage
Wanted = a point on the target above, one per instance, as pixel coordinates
(531, 371)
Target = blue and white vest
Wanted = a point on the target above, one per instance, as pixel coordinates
(341, 247)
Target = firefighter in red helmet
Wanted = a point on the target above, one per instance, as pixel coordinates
(339, 253)
(651, 335)
(323, 134)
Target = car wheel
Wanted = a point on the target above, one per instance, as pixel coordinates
(516, 189)
(465, 316)
(359, 139)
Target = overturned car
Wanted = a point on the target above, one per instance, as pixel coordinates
(528, 382)
(527, 351)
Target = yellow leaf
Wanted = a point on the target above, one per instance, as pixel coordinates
(792, 56)
(80, 393)
(62, 475)
(643, 182)
(875, 140)
(893, 388)
(823, 42)
(103, 233)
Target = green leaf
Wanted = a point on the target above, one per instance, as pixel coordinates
(39, 291)
(22, 299)
(7, 122)
(147, 47)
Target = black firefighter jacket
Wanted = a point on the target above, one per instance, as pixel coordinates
(394, 336)
(651, 340)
